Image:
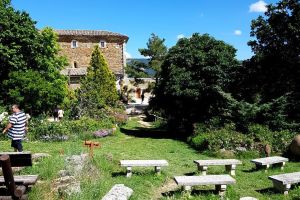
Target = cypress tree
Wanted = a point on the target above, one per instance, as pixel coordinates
(98, 90)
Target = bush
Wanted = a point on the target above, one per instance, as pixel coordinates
(206, 137)
(223, 138)
(279, 140)
(66, 129)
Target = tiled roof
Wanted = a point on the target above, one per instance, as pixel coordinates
(90, 32)
(74, 71)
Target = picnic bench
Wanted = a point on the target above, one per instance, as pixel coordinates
(220, 182)
(157, 164)
(230, 165)
(16, 186)
(268, 161)
(283, 182)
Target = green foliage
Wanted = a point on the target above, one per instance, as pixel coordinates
(208, 138)
(279, 140)
(49, 62)
(272, 113)
(29, 63)
(156, 50)
(33, 92)
(224, 138)
(98, 90)
(73, 129)
(273, 72)
(19, 41)
(192, 71)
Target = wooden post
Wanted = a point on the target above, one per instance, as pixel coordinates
(15, 192)
(8, 175)
(91, 146)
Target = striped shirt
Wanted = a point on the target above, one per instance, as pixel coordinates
(18, 121)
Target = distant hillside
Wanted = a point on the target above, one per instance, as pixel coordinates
(145, 61)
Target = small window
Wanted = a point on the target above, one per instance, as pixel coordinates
(75, 64)
(102, 44)
(75, 80)
(74, 44)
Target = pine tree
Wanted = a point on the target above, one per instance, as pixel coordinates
(98, 90)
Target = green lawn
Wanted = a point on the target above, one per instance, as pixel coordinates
(106, 172)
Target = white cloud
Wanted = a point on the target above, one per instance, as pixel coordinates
(259, 6)
(127, 55)
(180, 36)
(237, 32)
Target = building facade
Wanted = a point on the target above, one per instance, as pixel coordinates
(78, 45)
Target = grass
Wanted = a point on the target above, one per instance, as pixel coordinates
(140, 143)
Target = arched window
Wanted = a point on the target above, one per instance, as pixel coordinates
(102, 44)
(75, 64)
(74, 44)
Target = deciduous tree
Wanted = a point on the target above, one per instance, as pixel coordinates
(193, 69)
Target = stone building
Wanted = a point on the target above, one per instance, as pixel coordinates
(77, 46)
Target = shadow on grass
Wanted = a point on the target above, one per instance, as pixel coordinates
(190, 174)
(254, 169)
(154, 133)
(267, 191)
(194, 192)
(134, 173)
(116, 174)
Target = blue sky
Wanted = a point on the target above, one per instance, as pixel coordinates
(228, 20)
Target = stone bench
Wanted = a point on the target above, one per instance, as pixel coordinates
(283, 182)
(268, 161)
(220, 181)
(230, 165)
(157, 164)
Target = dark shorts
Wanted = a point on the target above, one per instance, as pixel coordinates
(17, 144)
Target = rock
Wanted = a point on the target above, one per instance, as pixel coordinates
(67, 185)
(118, 192)
(241, 149)
(268, 150)
(63, 173)
(74, 164)
(295, 146)
(39, 156)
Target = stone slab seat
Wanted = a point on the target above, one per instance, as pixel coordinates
(220, 181)
(157, 164)
(268, 161)
(283, 182)
(230, 164)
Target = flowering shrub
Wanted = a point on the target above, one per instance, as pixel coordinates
(67, 129)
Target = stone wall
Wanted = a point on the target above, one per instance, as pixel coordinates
(113, 52)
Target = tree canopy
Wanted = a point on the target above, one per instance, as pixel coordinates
(29, 63)
(156, 50)
(272, 75)
(191, 73)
